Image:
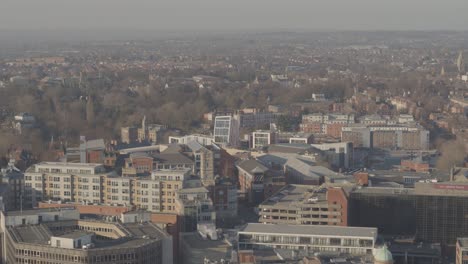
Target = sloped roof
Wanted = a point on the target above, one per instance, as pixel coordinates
(252, 166)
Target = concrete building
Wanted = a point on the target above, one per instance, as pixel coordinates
(387, 137)
(59, 236)
(359, 136)
(340, 155)
(461, 255)
(301, 138)
(195, 250)
(128, 135)
(195, 207)
(313, 239)
(300, 168)
(89, 151)
(262, 138)
(306, 205)
(204, 140)
(329, 124)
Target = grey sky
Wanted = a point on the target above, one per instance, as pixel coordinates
(178, 15)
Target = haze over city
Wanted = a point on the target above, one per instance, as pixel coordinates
(207, 15)
(234, 132)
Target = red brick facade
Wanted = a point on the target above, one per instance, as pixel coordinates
(338, 196)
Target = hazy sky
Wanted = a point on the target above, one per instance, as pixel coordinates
(178, 15)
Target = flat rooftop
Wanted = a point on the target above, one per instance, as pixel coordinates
(33, 234)
(310, 230)
(463, 241)
(68, 164)
(75, 234)
(457, 189)
(38, 211)
(384, 190)
(138, 234)
(144, 230)
(196, 248)
(292, 195)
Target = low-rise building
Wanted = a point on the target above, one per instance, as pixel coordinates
(128, 135)
(224, 197)
(251, 178)
(313, 239)
(204, 140)
(461, 256)
(306, 205)
(339, 155)
(52, 236)
(262, 138)
(195, 250)
(195, 207)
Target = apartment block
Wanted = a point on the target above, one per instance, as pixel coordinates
(79, 182)
(89, 183)
(329, 124)
(387, 137)
(158, 192)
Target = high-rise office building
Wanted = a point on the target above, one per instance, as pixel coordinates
(441, 211)
(391, 210)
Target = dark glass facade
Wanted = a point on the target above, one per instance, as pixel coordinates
(391, 213)
(441, 219)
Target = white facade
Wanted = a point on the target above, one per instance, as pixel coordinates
(36, 216)
(204, 140)
(262, 138)
(315, 239)
(71, 242)
(226, 131)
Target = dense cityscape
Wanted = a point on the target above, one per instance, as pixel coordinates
(255, 147)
